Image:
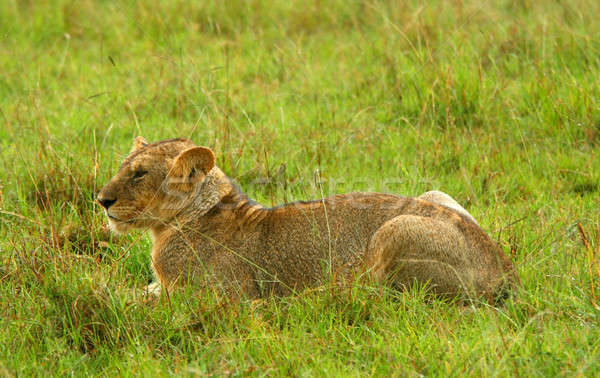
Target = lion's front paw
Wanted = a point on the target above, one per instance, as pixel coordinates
(152, 290)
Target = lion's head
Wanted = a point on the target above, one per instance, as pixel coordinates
(156, 182)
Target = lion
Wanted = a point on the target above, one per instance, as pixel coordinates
(206, 232)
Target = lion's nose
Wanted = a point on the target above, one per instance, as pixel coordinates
(106, 202)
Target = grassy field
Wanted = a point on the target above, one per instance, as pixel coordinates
(494, 102)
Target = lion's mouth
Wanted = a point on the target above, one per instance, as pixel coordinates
(113, 218)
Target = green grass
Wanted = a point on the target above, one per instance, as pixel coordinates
(494, 102)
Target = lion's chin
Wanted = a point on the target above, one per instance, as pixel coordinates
(118, 227)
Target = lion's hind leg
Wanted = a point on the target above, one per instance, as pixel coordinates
(412, 249)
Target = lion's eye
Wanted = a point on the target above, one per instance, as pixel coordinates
(139, 174)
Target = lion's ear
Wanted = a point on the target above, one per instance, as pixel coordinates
(191, 167)
(138, 143)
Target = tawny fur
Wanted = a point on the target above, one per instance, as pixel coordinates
(208, 233)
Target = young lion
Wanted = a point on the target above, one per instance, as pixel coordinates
(208, 233)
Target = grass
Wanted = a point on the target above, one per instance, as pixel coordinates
(496, 103)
